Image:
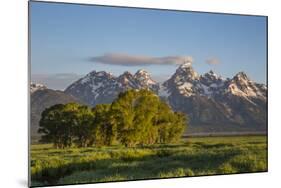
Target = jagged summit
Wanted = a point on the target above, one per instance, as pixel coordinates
(95, 74)
(141, 72)
(144, 77)
(126, 80)
(187, 82)
(94, 77)
(126, 75)
(100, 73)
(184, 81)
(186, 64)
(186, 72)
(241, 85)
(211, 79)
(103, 87)
(211, 74)
(241, 76)
(205, 98)
(210, 98)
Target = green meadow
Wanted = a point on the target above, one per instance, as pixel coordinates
(191, 157)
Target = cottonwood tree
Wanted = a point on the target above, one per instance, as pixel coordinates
(58, 123)
(142, 118)
(134, 118)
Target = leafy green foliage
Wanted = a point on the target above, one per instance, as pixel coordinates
(58, 124)
(142, 118)
(134, 118)
(83, 130)
(104, 125)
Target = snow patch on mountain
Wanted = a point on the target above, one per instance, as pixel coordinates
(103, 87)
(36, 86)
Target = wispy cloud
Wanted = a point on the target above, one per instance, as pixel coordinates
(134, 60)
(213, 61)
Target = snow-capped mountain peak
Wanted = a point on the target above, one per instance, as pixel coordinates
(211, 79)
(211, 74)
(241, 85)
(241, 77)
(185, 81)
(103, 87)
(205, 98)
(36, 86)
(141, 72)
(144, 77)
(185, 65)
(126, 80)
(94, 76)
(186, 70)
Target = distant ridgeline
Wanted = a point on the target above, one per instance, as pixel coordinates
(213, 104)
(134, 118)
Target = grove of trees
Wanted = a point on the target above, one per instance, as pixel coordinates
(134, 118)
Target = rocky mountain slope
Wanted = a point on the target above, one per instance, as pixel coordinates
(41, 98)
(102, 87)
(213, 103)
(210, 99)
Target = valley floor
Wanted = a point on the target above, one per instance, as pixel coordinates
(195, 156)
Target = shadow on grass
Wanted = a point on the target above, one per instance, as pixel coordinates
(166, 146)
(210, 146)
(134, 167)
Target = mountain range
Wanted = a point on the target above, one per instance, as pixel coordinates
(212, 103)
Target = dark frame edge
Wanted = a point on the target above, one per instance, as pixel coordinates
(28, 91)
(148, 8)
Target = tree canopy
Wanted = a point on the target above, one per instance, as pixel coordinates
(134, 118)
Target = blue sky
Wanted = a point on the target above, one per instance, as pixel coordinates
(68, 39)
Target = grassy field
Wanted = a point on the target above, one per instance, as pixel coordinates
(191, 157)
